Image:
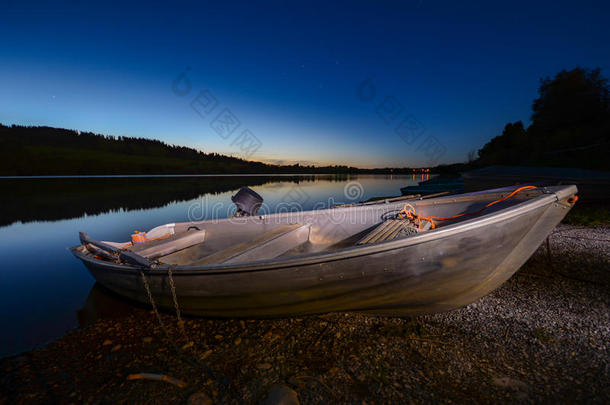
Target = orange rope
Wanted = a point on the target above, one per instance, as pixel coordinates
(408, 211)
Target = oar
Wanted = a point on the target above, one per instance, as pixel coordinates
(125, 255)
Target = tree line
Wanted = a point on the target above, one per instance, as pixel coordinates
(47, 151)
(570, 126)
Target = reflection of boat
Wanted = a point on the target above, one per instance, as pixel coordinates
(434, 186)
(593, 186)
(103, 304)
(317, 261)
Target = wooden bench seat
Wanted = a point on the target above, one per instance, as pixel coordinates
(174, 243)
(264, 246)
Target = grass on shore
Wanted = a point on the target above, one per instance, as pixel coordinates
(588, 215)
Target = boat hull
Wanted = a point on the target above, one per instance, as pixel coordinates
(431, 272)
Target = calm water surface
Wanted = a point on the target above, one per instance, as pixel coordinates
(43, 287)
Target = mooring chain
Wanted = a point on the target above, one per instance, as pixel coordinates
(176, 306)
(154, 305)
(192, 362)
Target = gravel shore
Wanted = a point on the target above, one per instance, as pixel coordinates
(544, 336)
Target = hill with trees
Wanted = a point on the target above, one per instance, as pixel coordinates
(47, 151)
(37, 151)
(570, 126)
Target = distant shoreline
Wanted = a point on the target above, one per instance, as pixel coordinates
(122, 176)
(25, 152)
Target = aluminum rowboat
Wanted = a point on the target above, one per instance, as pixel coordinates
(309, 262)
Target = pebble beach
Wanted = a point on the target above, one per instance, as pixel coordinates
(542, 337)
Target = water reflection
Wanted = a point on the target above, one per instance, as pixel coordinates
(51, 199)
(102, 303)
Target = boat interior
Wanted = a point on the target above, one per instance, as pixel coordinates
(252, 238)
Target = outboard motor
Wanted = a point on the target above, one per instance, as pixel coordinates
(248, 202)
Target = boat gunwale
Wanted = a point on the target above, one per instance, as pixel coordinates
(548, 196)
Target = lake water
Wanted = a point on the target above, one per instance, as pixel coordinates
(43, 287)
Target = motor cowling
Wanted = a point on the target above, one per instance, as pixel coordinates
(248, 202)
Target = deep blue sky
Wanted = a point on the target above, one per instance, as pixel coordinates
(290, 73)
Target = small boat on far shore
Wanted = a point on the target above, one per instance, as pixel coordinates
(593, 185)
(390, 258)
(451, 185)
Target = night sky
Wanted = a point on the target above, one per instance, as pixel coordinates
(292, 75)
